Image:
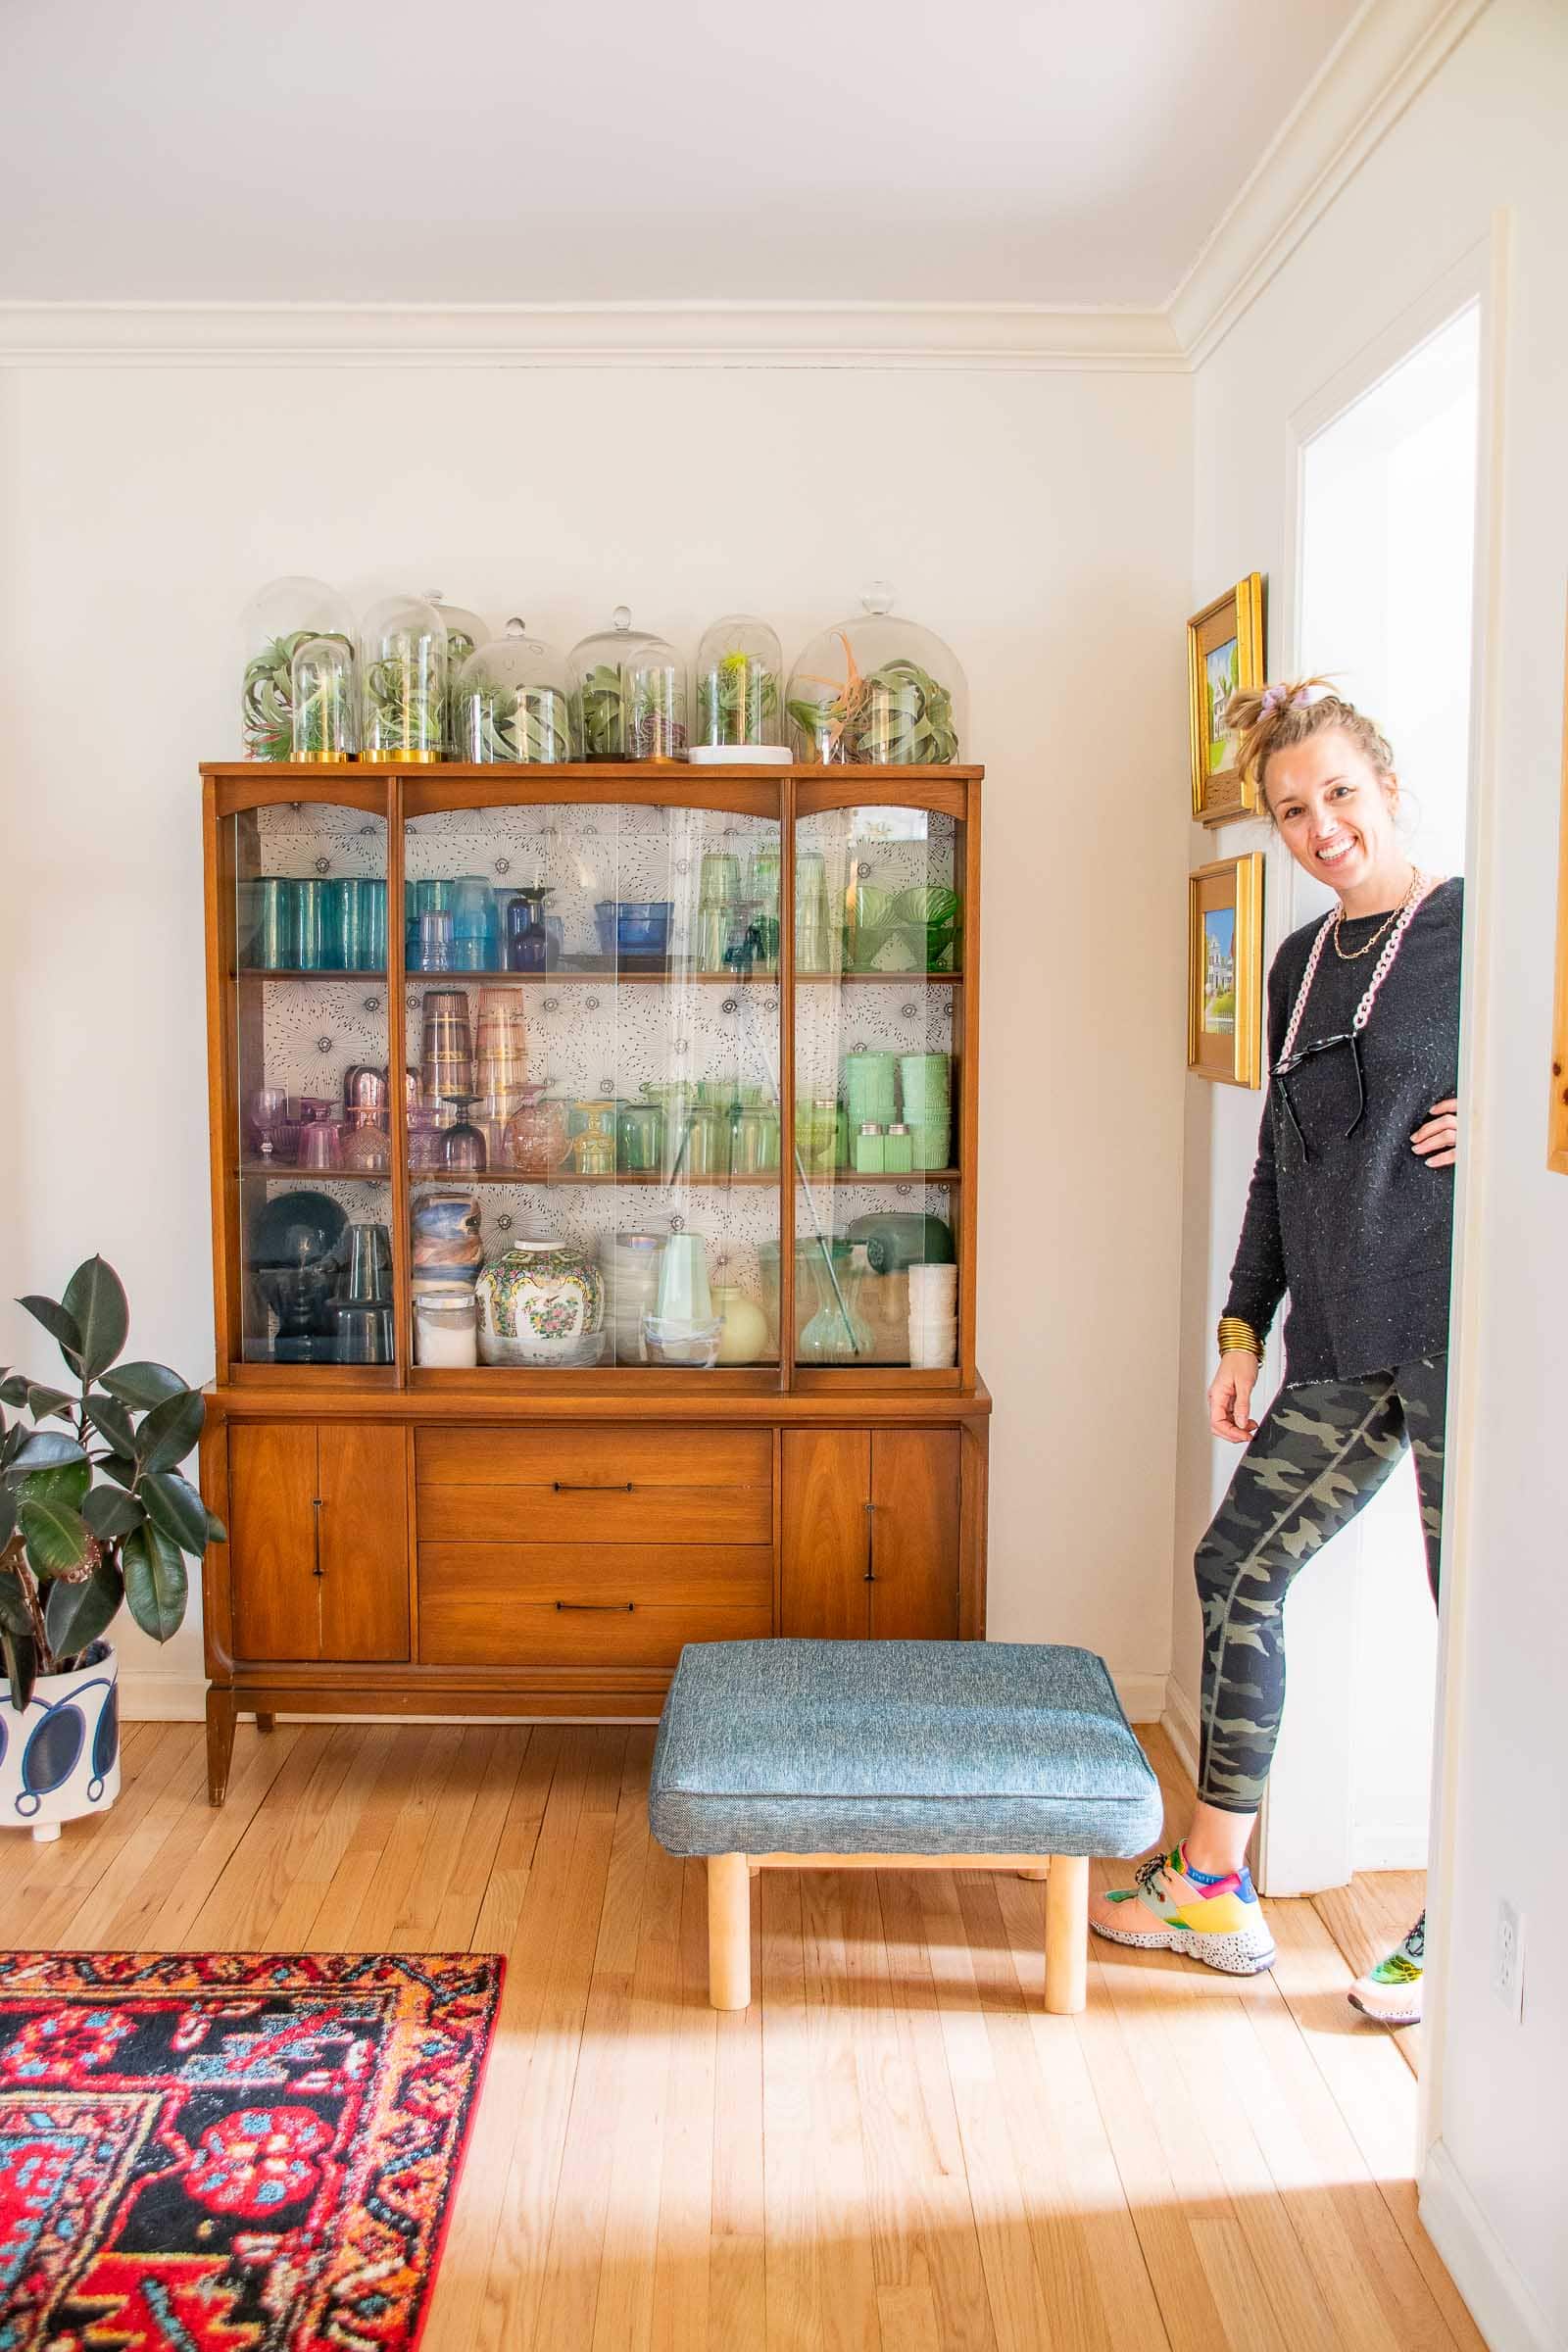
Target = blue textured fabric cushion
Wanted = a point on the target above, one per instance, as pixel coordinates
(913, 1747)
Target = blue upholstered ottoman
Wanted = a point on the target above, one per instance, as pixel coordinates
(989, 1756)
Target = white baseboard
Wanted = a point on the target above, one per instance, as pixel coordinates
(1497, 2297)
(182, 1699)
(1179, 1723)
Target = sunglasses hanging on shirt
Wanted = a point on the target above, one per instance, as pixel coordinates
(1291, 1059)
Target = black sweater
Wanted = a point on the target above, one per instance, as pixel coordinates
(1360, 1232)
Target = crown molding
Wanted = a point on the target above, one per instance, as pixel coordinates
(1385, 57)
(917, 335)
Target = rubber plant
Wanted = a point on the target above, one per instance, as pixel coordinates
(93, 1512)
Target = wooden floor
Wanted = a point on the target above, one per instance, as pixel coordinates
(893, 2150)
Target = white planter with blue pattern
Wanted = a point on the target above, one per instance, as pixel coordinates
(59, 1756)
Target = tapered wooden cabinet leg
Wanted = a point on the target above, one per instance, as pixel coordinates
(222, 1710)
(729, 1931)
(1067, 1935)
(266, 1723)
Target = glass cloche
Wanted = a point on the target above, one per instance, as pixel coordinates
(326, 703)
(512, 701)
(403, 681)
(653, 693)
(878, 690)
(595, 667)
(737, 691)
(466, 633)
(276, 622)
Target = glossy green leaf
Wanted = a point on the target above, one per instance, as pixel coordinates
(95, 1301)
(74, 1615)
(156, 1582)
(216, 1532)
(69, 1485)
(44, 1402)
(143, 1385)
(13, 1390)
(174, 1505)
(45, 1450)
(112, 1514)
(22, 1665)
(118, 1466)
(8, 1515)
(58, 1538)
(14, 1615)
(112, 1421)
(170, 1430)
(59, 1324)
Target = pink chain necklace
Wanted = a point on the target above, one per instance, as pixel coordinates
(1421, 887)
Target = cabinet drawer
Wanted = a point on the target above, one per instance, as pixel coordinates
(479, 1623)
(577, 1455)
(501, 1576)
(538, 1516)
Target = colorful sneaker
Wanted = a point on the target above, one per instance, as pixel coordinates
(1390, 1993)
(1218, 1921)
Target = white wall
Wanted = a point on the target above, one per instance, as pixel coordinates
(1039, 521)
(1487, 131)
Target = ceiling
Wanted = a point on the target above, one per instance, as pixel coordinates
(378, 151)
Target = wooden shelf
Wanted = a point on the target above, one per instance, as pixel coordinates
(260, 971)
(576, 976)
(292, 1168)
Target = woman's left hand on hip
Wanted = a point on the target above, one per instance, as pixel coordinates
(1437, 1141)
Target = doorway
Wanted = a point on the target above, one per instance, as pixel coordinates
(1385, 533)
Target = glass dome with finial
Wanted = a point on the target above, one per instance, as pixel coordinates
(595, 667)
(276, 622)
(878, 690)
(403, 681)
(325, 707)
(737, 698)
(511, 701)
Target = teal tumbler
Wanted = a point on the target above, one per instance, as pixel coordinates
(321, 938)
(274, 943)
(361, 923)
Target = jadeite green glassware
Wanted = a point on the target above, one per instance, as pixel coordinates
(640, 1137)
(837, 1334)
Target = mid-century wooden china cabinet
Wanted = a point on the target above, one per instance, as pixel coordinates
(594, 1243)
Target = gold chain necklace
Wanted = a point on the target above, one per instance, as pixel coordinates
(1354, 955)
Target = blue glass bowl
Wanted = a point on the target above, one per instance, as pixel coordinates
(633, 926)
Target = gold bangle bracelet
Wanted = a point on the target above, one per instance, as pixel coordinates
(1235, 1337)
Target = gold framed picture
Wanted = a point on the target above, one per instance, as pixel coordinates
(1225, 970)
(1224, 652)
(1558, 1115)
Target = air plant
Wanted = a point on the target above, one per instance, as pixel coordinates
(266, 700)
(897, 716)
(599, 712)
(522, 723)
(734, 700)
(403, 707)
(656, 725)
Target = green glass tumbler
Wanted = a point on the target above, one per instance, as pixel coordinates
(319, 936)
(275, 944)
(640, 1137)
(361, 937)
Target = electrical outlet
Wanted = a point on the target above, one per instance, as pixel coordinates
(1508, 1959)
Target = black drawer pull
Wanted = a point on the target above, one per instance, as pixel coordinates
(586, 1485)
(627, 1605)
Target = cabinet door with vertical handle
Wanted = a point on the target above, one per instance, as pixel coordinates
(272, 1539)
(827, 1533)
(363, 1489)
(914, 1535)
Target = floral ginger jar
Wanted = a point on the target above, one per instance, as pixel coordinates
(539, 1302)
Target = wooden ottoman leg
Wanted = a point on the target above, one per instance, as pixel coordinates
(1067, 1935)
(729, 1931)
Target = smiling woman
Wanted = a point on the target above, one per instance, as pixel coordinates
(1350, 1211)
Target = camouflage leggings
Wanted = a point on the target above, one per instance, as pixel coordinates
(1322, 1450)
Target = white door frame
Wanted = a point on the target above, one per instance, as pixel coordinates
(1304, 1833)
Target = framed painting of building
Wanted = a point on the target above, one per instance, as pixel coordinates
(1224, 652)
(1225, 970)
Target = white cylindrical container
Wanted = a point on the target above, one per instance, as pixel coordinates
(446, 1330)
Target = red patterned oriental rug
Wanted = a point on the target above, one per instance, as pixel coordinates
(230, 2152)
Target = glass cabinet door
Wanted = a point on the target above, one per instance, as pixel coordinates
(592, 1049)
(879, 938)
(310, 1145)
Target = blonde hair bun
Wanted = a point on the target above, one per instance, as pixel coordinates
(1274, 718)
